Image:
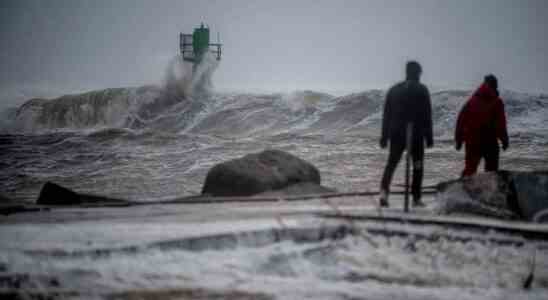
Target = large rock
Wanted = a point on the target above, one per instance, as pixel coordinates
(298, 189)
(54, 194)
(531, 190)
(260, 172)
(4, 199)
(502, 194)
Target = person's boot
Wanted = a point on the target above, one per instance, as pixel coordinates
(417, 202)
(383, 199)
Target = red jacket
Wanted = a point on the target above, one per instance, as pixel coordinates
(482, 120)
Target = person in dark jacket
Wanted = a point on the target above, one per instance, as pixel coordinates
(480, 125)
(407, 102)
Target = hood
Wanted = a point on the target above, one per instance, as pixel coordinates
(486, 92)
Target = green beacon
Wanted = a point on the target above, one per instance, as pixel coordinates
(194, 46)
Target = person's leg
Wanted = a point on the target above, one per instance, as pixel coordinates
(396, 151)
(417, 155)
(491, 156)
(472, 157)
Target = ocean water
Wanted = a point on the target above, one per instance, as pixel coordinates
(155, 143)
(151, 143)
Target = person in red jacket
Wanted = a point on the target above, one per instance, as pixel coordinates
(480, 126)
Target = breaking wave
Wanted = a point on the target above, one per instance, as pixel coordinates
(187, 104)
(169, 106)
(141, 143)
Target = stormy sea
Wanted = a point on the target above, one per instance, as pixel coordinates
(154, 143)
(149, 143)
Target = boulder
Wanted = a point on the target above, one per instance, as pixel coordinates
(501, 194)
(531, 190)
(54, 194)
(257, 173)
(5, 200)
(297, 189)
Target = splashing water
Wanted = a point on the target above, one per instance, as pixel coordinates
(187, 80)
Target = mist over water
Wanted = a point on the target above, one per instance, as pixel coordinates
(186, 82)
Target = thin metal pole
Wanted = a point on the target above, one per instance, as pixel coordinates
(408, 139)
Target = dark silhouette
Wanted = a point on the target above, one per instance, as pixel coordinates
(480, 125)
(407, 102)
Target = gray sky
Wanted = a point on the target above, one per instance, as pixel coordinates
(276, 44)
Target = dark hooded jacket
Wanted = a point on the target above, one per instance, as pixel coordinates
(407, 102)
(482, 120)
